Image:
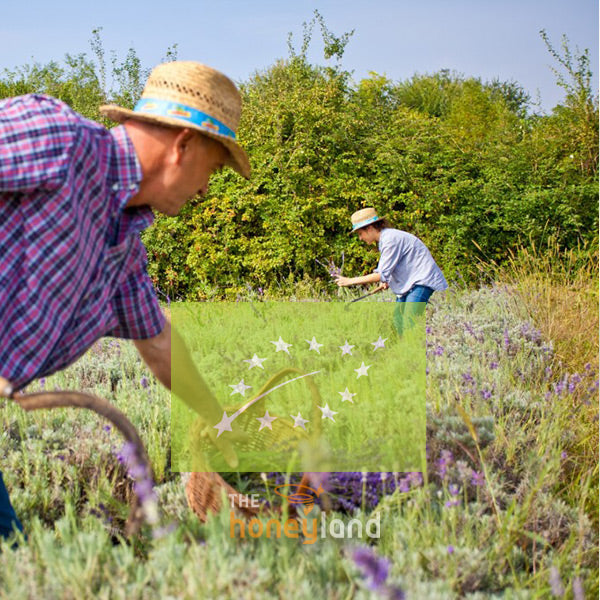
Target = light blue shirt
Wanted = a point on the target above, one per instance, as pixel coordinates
(405, 261)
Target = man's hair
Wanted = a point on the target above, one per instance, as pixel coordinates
(383, 224)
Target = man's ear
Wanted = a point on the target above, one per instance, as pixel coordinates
(181, 144)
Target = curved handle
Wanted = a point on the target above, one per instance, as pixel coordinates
(67, 399)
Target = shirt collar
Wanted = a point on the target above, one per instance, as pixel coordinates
(125, 178)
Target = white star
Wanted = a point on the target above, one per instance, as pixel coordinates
(255, 362)
(240, 388)
(266, 421)
(299, 421)
(281, 346)
(346, 348)
(379, 343)
(362, 370)
(347, 396)
(327, 412)
(224, 424)
(314, 345)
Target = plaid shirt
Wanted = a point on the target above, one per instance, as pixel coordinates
(72, 265)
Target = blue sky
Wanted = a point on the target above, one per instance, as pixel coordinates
(482, 38)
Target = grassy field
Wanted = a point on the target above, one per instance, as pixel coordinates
(508, 506)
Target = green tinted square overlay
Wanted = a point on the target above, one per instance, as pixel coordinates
(301, 386)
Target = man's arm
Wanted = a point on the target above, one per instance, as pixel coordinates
(157, 352)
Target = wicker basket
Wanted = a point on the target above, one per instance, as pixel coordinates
(204, 489)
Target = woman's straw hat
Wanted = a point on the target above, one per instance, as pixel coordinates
(189, 94)
(362, 218)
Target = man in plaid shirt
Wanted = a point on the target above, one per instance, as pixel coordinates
(74, 198)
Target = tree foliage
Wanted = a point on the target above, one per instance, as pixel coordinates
(461, 163)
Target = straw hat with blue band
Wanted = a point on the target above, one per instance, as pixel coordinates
(363, 218)
(190, 94)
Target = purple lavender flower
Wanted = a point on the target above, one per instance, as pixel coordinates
(404, 485)
(493, 365)
(415, 478)
(450, 549)
(477, 478)
(439, 350)
(144, 382)
(559, 387)
(486, 394)
(506, 339)
(578, 593)
(574, 382)
(558, 590)
(374, 567)
(144, 486)
(451, 503)
(454, 489)
(106, 428)
(445, 460)
(468, 378)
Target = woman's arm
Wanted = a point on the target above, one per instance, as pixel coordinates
(361, 280)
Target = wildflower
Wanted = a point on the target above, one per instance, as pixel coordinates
(486, 394)
(464, 471)
(106, 428)
(415, 479)
(477, 478)
(563, 455)
(451, 503)
(468, 378)
(444, 462)
(144, 485)
(558, 590)
(144, 382)
(493, 365)
(578, 589)
(372, 566)
(575, 380)
(376, 570)
(438, 351)
(559, 387)
(450, 549)
(404, 485)
(506, 339)
(454, 489)
(428, 330)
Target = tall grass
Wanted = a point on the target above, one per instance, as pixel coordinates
(506, 509)
(559, 289)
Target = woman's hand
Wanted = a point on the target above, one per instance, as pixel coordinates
(344, 281)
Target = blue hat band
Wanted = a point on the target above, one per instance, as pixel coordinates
(187, 114)
(365, 222)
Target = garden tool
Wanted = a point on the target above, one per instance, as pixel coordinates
(379, 288)
(66, 399)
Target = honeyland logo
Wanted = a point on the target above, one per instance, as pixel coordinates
(302, 497)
